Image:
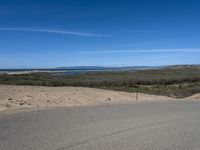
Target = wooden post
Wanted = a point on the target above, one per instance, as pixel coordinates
(137, 90)
(137, 93)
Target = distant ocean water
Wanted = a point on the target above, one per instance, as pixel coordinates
(76, 70)
(63, 71)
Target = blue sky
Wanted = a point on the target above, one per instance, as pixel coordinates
(54, 33)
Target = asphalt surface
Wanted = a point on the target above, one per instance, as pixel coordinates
(172, 125)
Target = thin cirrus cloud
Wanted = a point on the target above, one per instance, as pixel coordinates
(141, 31)
(192, 50)
(85, 34)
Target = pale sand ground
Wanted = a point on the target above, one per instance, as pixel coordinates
(194, 97)
(22, 97)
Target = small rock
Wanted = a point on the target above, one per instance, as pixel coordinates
(22, 103)
(8, 106)
(108, 99)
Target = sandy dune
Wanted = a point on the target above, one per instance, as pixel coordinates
(18, 97)
(194, 97)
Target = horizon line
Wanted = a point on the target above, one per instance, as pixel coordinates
(105, 66)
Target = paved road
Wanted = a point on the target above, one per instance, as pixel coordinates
(140, 126)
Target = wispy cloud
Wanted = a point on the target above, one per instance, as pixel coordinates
(52, 31)
(192, 50)
(141, 31)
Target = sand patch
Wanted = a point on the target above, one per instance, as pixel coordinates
(194, 97)
(20, 97)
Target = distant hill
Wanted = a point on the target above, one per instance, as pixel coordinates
(103, 68)
(84, 68)
(109, 68)
(183, 67)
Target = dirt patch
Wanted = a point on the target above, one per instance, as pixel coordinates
(20, 97)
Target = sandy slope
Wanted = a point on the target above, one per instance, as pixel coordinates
(194, 97)
(17, 97)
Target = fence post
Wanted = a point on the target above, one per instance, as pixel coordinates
(137, 90)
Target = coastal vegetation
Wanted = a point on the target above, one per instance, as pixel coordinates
(176, 82)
